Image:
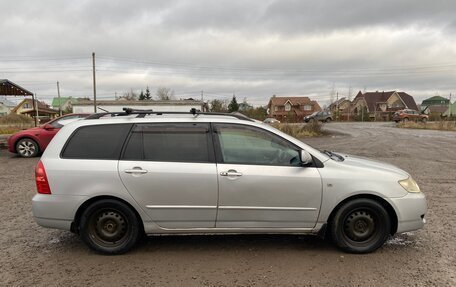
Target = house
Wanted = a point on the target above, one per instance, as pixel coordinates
(62, 103)
(382, 105)
(26, 107)
(340, 109)
(451, 111)
(435, 106)
(291, 109)
(86, 106)
(5, 106)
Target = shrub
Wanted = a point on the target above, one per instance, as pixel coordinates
(298, 130)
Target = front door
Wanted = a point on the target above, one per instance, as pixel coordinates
(261, 181)
(169, 170)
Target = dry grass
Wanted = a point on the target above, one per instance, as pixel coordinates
(299, 131)
(15, 119)
(9, 130)
(441, 125)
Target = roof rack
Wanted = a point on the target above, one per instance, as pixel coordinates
(143, 113)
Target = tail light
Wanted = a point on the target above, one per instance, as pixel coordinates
(42, 183)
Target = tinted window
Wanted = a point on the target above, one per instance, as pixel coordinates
(248, 145)
(97, 142)
(170, 142)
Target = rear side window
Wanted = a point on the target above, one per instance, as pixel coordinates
(97, 142)
(174, 142)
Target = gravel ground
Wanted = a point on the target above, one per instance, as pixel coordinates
(31, 255)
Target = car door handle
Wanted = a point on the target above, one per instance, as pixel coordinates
(135, 170)
(231, 172)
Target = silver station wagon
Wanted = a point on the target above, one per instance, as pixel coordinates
(114, 177)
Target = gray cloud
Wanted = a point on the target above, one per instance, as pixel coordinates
(251, 48)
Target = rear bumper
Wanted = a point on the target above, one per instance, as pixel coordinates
(55, 211)
(410, 210)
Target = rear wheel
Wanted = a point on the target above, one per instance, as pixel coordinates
(109, 226)
(27, 148)
(360, 226)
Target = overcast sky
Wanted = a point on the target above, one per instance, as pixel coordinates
(253, 49)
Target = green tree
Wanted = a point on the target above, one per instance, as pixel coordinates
(147, 95)
(233, 106)
(142, 97)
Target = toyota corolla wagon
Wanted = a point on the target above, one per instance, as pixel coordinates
(114, 177)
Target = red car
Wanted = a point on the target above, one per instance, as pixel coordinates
(33, 141)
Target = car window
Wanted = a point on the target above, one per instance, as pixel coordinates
(174, 142)
(240, 144)
(57, 123)
(96, 142)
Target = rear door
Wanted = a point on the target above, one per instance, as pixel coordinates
(170, 170)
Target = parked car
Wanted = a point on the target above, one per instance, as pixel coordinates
(409, 115)
(31, 142)
(322, 116)
(112, 179)
(271, 121)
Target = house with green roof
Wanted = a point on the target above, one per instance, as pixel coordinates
(435, 107)
(64, 103)
(451, 111)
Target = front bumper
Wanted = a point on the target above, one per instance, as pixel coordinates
(410, 210)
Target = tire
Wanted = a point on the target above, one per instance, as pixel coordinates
(360, 226)
(328, 120)
(110, 227)
(424, 120)
(27, 148)
(405, 120)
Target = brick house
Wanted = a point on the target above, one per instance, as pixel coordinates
(382, 105)
(291, 109)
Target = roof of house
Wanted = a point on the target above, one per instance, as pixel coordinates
(452, 109)
(57, 102)
(8, 88)
(435, 99)
(280, 101)
(373, 98)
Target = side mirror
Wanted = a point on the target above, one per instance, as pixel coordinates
(306, 158)
(48, 127)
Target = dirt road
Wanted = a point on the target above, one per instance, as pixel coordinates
(31, 255)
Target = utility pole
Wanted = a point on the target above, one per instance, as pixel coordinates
(60, 103)
(94, 84)
(202, 95)
(37, 114)
(337, 106)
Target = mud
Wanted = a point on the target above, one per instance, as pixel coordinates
(31, 255)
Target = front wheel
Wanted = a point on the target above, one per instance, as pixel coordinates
(109, 226)
(328, 120)
(424, 120)
(360, 226)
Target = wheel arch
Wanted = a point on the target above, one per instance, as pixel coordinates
(75, 224)
(389, 208)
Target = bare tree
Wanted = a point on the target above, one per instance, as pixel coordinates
(128, 96)
(164, 94)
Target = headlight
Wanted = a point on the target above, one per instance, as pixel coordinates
(410, 185)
